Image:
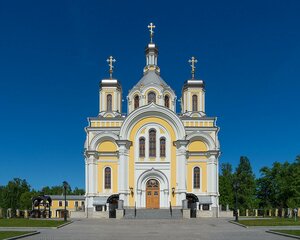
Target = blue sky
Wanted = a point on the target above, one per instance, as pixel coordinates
(52, 57)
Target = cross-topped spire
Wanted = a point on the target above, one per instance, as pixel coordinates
(110, 61)
(192, 61)
(151, 26)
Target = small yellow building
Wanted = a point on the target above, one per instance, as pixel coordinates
(152, 157)
(74, 203)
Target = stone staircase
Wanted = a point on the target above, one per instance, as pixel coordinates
(153, 214)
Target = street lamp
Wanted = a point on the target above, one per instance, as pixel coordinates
(236, 186)
(65, 185)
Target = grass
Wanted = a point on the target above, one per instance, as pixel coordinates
(271, 222)
(20, 222)
(291, 232)
(8, 234)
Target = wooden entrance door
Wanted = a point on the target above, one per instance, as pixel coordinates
(152, 194)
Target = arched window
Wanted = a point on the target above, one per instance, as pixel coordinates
(196, 177)
(109, 103)
(167, 101)
(142, 147)
(107, 178)
(195, 103)
(136, 101)
(151, 97)
(162, 147)
(152, 143)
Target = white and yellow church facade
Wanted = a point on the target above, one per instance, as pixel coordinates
(151, 157)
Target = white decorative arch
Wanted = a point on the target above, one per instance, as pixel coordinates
(152, 174)
(163, 184)
(150, 111)
(100, 137)
(202, 136)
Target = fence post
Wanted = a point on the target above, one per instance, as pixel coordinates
(276, 212)
(247, 212)
(256, 212)
(18, 213)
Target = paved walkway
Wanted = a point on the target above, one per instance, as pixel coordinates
(179, 229)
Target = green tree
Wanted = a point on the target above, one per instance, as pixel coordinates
(247, 186)
(12, 191)
(26, 200)
(78, 191)
(279, 186)
(55, 190)
(225, 185)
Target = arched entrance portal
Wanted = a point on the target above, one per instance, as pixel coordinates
(152, 193)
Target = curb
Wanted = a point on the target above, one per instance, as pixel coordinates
(63, 225)
(38, 228)
(283, 234)
(22, 236)
(239, 224)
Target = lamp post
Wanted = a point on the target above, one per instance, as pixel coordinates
(236, 185)
(65, 185)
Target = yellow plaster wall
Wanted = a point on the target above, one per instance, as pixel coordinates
(190, 167)
(107, 146)
(133, 133)
(114, 172)
(71, 203)
(197, 146)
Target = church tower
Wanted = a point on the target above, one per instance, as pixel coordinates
(152, 157)
(110, 94)
(151, 87)
(193, 95)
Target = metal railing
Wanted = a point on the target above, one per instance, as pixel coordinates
(171, 212)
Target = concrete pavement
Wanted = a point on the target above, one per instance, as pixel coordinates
(187, 229)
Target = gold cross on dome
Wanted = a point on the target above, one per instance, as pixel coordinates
(110, 61)
(151, 26)
(192, 61)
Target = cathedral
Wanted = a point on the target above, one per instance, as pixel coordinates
(152, 156)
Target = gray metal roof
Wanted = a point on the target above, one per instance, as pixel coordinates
(151, 77)
(69, 197)
(204, 199)
(100, 200)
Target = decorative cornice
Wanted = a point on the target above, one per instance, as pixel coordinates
(89, 153)
(125, 143)
(181, 143)
(209, 153)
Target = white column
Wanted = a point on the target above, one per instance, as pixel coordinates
(203, 101)
(86, 176)
(115, 101)
(210, 175)
(92, 175)
(181, 170)
(123, 170)
(189, 106)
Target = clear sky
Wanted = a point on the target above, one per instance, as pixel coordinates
(53, 55)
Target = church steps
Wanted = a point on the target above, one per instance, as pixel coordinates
(153, 214)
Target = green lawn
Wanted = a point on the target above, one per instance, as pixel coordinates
(271, 222)
(291, 232)
(8, 234)
(21, 222)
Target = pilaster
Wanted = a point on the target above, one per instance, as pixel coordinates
(181, 157)
(123, 179)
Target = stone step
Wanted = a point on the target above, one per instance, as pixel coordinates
(153, 214)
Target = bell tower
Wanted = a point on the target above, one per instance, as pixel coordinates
(110, 94)
(193, 94)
